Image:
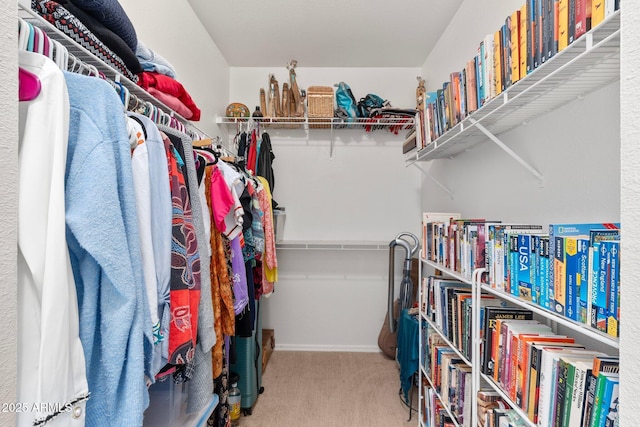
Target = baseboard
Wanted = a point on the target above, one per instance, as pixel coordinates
(339, 348)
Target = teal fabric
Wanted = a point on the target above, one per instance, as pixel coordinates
(408, 351)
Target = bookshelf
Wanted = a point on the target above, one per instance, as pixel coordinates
(589, 63)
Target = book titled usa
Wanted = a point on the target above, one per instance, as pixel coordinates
(524, 265)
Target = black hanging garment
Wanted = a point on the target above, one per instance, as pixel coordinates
(265, 161)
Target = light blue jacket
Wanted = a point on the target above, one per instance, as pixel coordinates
(102, 234)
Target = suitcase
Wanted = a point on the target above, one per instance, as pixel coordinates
(249, 365)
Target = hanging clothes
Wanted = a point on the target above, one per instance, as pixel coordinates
(185, 265)
(265, 163)
(200, 384)
(270, 261)
(104, 245)
(52, 361)
(221, 293)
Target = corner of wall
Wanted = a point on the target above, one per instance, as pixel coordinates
(8, 207)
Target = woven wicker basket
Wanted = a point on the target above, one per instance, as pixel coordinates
(319, 106)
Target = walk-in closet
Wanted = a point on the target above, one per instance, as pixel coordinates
(285, 214)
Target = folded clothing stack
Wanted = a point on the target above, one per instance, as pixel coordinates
(151, 61)
(94, 34)
(170, 92)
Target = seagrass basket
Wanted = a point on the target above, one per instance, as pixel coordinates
(319, 106)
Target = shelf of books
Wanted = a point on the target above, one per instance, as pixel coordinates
(501, 291)
(502, 88)
(446, 379)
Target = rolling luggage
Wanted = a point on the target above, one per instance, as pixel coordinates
(248, 365)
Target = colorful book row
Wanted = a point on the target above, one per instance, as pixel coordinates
(529, 37)
(572, 270)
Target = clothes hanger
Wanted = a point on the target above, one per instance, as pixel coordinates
(23, 34)
(31, 34)
(29, 85)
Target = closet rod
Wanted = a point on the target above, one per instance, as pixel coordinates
(107, 70)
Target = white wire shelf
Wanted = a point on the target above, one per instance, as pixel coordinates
(323, 123)
(583, 329)
(589, 63)
(363, 245)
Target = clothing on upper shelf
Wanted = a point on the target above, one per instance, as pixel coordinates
(151, 61)
(71, 26)
(169, 86)
(112, 40)
(113, 16)
(172, 102)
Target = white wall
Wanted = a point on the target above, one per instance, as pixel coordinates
(459, 42)
(630, 206)
(336, 299)
(9, 205)
(173, 30)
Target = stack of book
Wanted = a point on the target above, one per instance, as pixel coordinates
(572, 270)
(529, 37)
(555, 381)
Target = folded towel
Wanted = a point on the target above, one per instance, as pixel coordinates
(106, 35)
(113, 16)
(169, 86)
(151, 61)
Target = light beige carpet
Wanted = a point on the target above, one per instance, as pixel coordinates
(322, 389)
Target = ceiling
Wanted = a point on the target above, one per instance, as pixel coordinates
(327, 33)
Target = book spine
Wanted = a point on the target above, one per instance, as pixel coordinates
(523, 267)
(536, 32)
(506, 53)
(572, 277)
(541, 5)
(589, 399)
(571, 25)
(559, 276)
(522, 37)
(583, 280)
(597, 12)
(497, 62)
(553, 18)
(515, 46)
(561, 387)
(530, 35)
(601, 295)
(544, 272)
(563, 24)
(535, 270)
(568, 393)
(613, 251)
(581, 18)
(579, 395)
(534, 381)
(597, 401)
